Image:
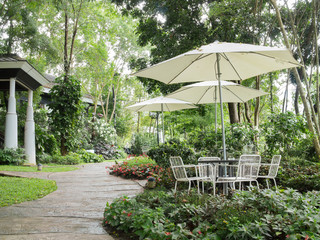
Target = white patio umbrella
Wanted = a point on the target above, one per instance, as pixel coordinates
(220, 61)
(207, 92)
(163, 104)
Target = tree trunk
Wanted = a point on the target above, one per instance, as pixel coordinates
(256, 109)
(296, 101)
(138, 124)
(246, 109)
(271, 92)
(302, 93)
(233, 113)
(63, 147)
(315, 23)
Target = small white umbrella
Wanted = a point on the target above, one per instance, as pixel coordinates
(207, 92)
(163, 104)
(220, 61)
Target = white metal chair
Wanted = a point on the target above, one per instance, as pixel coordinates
(181, 175)
(246, 170)
(273, 170)
(208, 169)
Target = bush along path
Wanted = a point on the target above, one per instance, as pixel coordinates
(74, 211)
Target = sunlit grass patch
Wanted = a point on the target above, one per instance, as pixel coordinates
(51, 168)
(16, 190)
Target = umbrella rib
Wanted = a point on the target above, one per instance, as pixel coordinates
(204, 94)
(226, 57)
(225, 87)
(184, 69)
(167, 107)
(272, 57)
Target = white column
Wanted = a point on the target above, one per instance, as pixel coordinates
(29, 132)
(11, 131)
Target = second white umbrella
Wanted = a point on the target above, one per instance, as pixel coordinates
(163, 104)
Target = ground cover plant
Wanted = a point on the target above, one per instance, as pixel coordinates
(245, 215)
(45, 168)
(140, 167)
(16, 190)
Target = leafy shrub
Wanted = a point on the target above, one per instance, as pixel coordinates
(103, 132)
(141, 140)
(89, 157)
(141, 171)
(246, 215)
(109, 151)
(46, 141)
(9, 156)
(286, 133)
(162, 153)
(299, 174)
(44, 158)
(136, 147)
(70, 159)
(143, 159)
(238, 135)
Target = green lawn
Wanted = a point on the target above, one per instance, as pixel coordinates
(16, 190)
(45, 168)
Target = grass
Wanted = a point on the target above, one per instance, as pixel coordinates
(15, 190)
(45, 168)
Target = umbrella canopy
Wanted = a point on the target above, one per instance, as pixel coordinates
(208, 92)
(161, 104)
(237, 62)
(220, 61)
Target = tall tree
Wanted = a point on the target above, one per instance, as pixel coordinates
(297, 76)
(174, 27)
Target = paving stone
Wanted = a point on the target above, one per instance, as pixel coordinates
(74, 211)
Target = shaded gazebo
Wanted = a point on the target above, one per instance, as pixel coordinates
(16, 74)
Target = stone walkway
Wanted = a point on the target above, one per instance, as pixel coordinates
(74, 211)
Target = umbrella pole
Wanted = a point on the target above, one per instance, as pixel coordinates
(158, 127)
(215, 109)
(221, 109)
(162, 123)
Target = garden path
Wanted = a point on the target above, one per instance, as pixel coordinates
(74, 211)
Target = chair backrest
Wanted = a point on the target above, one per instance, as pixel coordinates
(275, 163)
(177, 166)
(248, 166)
(207, 159)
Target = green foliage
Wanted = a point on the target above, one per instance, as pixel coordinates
(109, 151)
(246, 215)
(299, 174)
(12, 156)
(136, 147)
(45, 140)
(174, 147)
(287, 134)
(88, 157)
(103, 132)
(140, 160)
(65, 110)
(44, 158)
(16, 190)
(70, 159)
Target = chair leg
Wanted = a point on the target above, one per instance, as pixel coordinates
(267, 183)
(214, 188)
(257, 185)
(175, 186)
(189, 186)
(202, 186)
(275, 184)
(198, 186)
